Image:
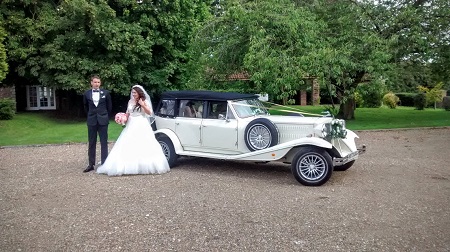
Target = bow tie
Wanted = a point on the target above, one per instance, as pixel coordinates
(95, 90)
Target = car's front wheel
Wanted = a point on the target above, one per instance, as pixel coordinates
(168, 150)
(312, 166)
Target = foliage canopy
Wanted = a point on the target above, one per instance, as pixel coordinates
(387, 45)
(62, 43)
(3, 62)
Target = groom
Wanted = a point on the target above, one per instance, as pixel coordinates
(98, 106)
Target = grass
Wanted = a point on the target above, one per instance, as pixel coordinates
(386, 118)
(30, 128)
(44, 128)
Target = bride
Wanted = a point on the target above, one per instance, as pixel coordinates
(136, 151)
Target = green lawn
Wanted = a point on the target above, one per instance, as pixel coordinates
(386, 118)
(43, 128)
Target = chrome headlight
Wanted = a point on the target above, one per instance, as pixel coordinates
(322, 130)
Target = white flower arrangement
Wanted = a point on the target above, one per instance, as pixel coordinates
(338, 129)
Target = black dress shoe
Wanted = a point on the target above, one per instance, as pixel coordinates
(89, 168)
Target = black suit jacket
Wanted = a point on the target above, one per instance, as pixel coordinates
(100, 114)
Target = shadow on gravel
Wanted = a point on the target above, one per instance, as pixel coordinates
(277, 172)
(272, 172)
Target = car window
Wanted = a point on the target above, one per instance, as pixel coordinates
(199, 113)
(219, 110)
(230, 114)
(247, 108)
(167, 108)
(190, 108)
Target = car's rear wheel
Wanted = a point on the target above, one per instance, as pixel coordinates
(260, 134)
(344, 167)
(312, 166)
(168, 150)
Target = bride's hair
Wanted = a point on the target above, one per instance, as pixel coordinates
(141, 94)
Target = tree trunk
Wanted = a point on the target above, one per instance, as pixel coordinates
(347, 110)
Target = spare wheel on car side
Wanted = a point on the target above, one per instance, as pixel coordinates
(260, 134)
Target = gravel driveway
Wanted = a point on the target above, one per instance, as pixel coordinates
(395, 198)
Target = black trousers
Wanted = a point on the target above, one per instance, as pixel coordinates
(102, 131)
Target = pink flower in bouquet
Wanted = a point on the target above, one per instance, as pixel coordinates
(121, 118)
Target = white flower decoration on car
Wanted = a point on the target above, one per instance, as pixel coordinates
(338, 129)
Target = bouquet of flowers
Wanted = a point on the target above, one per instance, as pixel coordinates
(121, 118)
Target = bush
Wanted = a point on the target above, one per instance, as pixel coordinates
(433, 95)
(420, 101)
(371, 94)
(446, 103)
(406, 99)
(7, 109)
(390, 100)
(358, 99)
(372, 99)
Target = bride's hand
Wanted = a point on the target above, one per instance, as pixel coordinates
(141, 102)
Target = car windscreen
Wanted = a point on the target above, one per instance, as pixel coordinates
(248, 108)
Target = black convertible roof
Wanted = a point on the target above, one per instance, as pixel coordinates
(205, 95)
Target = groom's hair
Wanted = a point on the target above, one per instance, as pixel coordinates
(95, 77)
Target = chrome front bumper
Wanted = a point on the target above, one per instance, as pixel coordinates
(350, 157)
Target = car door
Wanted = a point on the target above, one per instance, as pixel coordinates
(218, 132)
(187, 128)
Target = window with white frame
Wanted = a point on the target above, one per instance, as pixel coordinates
(40, 98)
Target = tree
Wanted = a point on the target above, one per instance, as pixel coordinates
(352, 52)
(397, 43)
(274, 41)
(61, 43)
(3, 63)
(281, 42)
(433, 95)
(407, 42)
(420, 28)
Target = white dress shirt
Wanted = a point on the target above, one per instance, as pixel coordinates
(95, 97)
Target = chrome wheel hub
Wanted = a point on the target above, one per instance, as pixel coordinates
(260, 137)
(312, 167)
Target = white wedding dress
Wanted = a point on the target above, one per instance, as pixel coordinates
(136, 151)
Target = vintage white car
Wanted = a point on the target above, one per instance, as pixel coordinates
(235, 126)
